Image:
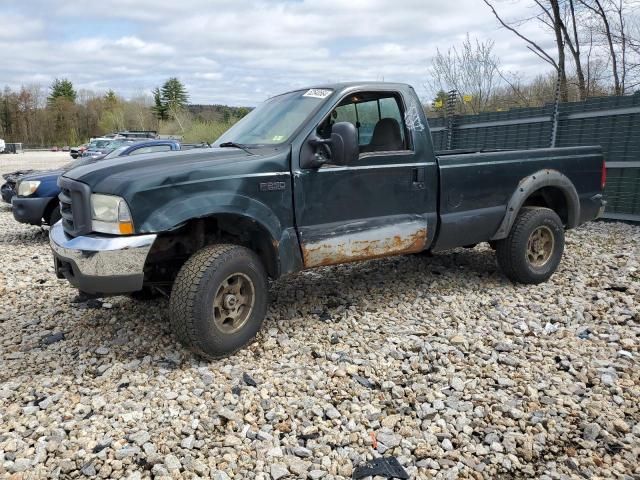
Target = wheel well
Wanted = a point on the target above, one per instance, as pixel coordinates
(50, 208)
(172, 249)
(550, 197)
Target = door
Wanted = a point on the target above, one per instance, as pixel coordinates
(374, 207)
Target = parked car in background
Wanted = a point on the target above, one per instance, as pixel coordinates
(139, 148)
(8, 189)
(102, 148)
(94, 143)
(138, 134)
(76, 152)
(36, 194)
(98, 143)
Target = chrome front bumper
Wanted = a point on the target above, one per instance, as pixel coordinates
(100, 264)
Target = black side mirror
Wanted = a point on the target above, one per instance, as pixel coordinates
(344, 143)
(341, 149)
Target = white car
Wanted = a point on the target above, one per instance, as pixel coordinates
(2, 145)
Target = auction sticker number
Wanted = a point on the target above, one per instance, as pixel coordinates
(317, 93)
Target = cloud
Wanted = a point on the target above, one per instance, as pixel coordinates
(241, 52)
(17, 27)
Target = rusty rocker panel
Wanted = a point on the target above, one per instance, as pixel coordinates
(363, 240)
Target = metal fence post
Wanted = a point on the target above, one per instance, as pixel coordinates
(555, 115)
(452, 97)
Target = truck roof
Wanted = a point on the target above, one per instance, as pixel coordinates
(345, 86)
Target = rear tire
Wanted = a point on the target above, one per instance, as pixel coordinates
(219, 300)
(533, 250)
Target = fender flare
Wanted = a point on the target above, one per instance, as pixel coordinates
(206, 204)
(532, 183)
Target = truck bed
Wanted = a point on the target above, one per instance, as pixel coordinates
(475, 188)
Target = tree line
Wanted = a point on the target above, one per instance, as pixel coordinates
(62, 115)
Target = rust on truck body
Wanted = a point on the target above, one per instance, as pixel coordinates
(368, 244)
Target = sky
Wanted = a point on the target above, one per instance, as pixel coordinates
(240, 52)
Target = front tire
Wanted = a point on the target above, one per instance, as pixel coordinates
(533, 250)
(219, 300)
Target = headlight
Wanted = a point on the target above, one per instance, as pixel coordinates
(110, 214)
(27, 187)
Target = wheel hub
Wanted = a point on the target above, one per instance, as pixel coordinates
(540, 246)
(233, 302)
(230, 302)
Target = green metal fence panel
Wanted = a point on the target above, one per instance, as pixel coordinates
(623, 193)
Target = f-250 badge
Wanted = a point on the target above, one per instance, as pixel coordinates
(272, 186)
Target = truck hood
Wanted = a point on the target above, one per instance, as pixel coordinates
(43, 176)
(127, 176)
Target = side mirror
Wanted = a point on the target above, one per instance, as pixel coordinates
(341, 149)
(344, 143)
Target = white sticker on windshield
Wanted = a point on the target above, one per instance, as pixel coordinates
(317, 93)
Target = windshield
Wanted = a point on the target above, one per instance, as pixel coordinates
(98, 144)
(275, 120)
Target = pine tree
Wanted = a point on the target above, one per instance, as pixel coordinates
(159, 108)
(61, 89)
(169, 100)
(174, 94)
(111, 99)
(440, 101)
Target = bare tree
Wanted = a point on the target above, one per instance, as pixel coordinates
(633, 40)
(472, 69)
(616, 30)
(600, 8)
(551, 16)
(572, 40)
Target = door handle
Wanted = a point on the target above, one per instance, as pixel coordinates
(417, 178)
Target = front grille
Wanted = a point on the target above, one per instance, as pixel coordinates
(65, 209)
(75, 206)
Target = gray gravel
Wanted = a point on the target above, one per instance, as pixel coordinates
(438, 361)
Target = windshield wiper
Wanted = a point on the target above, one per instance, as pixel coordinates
(236, 145)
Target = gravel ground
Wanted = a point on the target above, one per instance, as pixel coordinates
(438, 361)
(34, 160)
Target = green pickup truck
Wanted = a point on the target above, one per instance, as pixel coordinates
(313, 177)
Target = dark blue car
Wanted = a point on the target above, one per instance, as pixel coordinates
(36, 194)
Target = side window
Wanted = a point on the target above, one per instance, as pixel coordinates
(160, 148)
(378, 118)
(389, 109)
(140, 151)
(368, 118)
(346, 113)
